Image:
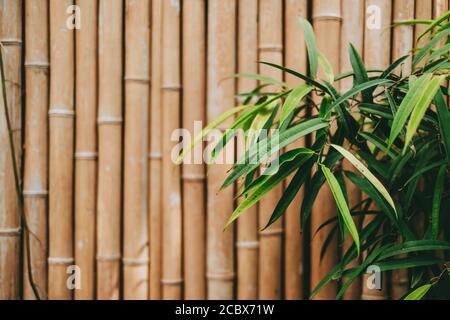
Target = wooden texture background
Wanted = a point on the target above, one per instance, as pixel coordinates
(93, 110)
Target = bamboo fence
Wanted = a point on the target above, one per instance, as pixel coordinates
(101, 192)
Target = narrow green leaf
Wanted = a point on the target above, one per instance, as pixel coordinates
(444, 121)
(420, 109)
(433, 24)
(436, 204)
(293, 100)
(366, 173)
(444, 50)
(414, 246)
(394, 66)
(358, 88)
(429, 46)
(419, 293)
(342, 205)
(261, 78)
(311, 45)
(327, 67)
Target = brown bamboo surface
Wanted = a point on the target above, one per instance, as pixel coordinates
(86, 148)
(99, 126)
(247, 229)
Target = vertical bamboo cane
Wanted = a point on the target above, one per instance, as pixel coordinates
(61, 148)
(423, 11)
(295, 58)
(194, 103)
(377, 51)
(403, 38)
(247, 228)
(221, 63)
(155, 213)
(36, 141)
(352, 32)
(270, 49)
(86, 148)
(137, 95)
(171, 193)
(110, 148)
(327, 20)
(11, 44)
(439, 8)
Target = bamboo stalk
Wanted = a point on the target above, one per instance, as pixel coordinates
(403, 38)
(295, 58)
(10, 230)
(423, 11)
(439, 8)
(194, 106)
(137, 97)
(221, 63)
(247, 225)
(155, 213)
(61, 146)
(36, 142)
(110, 146)
(270, 243)
(352, 32)
(86, 148)
(327, 23)
(171, 186)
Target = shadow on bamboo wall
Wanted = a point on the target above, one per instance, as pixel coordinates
(103, 84)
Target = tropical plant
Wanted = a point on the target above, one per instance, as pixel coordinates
(393, 127)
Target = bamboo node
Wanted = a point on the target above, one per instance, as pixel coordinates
(111, 258)
(86, 155)
(327, 16)
(247, 244)
(37, 64)
(137, 79)
(109, 120)
(155, 155)
(172, 282)
(135, 261)
(226, 276)
(59, 260)
(10, 232)
(194, 177)
(271, 48)
(11, 42)
(271, 232)
(35, 193)
(171, 87)
(61, 113)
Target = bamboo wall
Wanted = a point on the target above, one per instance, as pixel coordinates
(93, 109)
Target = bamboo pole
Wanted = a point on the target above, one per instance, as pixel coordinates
(36, 141)
(137, 97)
(270, 243)
(194, 105)
(295, 58)
(247, 226)
(155, 213)
(61, 146)
(86, 148)
(110, 148)
(403, 42)
(439, 8)
(10, 230)
(352, 32)
(221, 63)
(423, 11)
(171, 186)
(327, 23)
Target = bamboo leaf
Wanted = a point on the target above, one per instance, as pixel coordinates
(311, 45)
(406, 107)
(444, 121)
(327, 67)
(414, 246)
(419, 293)
(358, 88)
(420, 109)
(429, 46)
(261, 78)
(366, 173)
(434, 24)
(293, 100)
(342, 205)
(436, 204)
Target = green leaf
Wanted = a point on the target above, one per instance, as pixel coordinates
(429, 46)
(327, 67)
(366, 173)
(342, 205)
(380, 144)
(358, 88)
(407, 263)
(293, 100)
(394, 66)
(311, 45)
(436, 204)
(419, 293)
(420, 109)
(208, 129)
(440, 51)
(406, 107)
(444, 121)
(433, 24)
(414, 246)
(261, 78)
